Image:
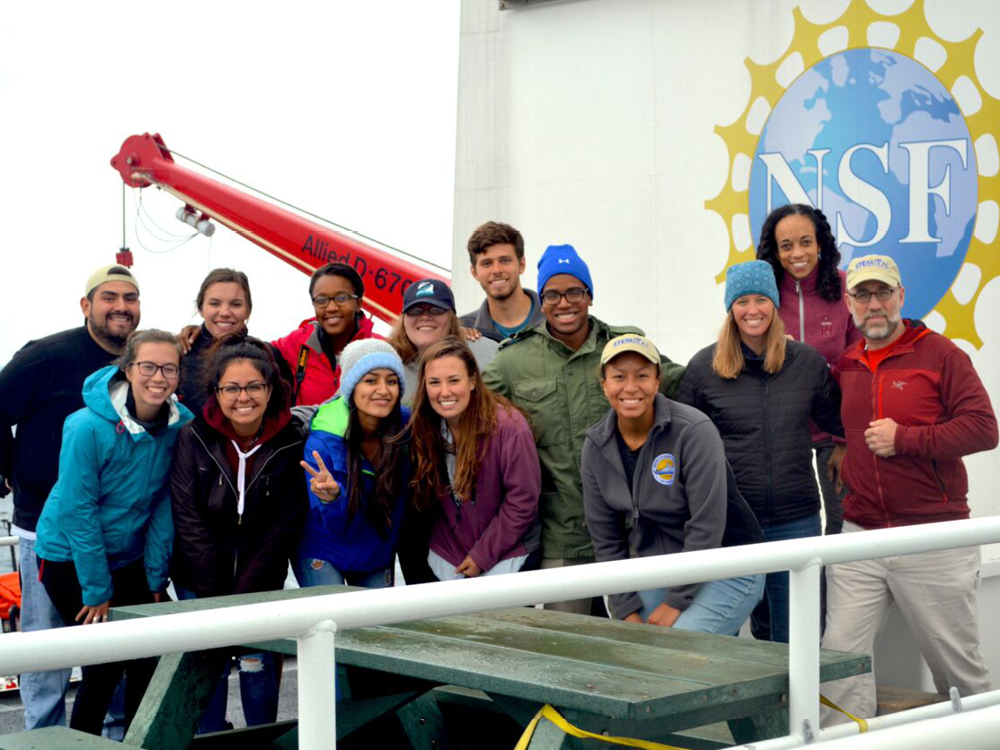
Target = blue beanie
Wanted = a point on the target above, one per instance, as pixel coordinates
(559, 259)
(361, 357)
(752, 277)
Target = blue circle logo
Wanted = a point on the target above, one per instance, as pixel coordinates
(877, 142)
(664, 468)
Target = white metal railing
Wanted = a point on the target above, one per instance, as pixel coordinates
(313, 621)
(8, 541)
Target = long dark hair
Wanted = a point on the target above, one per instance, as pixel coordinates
(386, 462)
(828, 285)
(235, 346)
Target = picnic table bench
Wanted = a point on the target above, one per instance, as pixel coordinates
(603, 676)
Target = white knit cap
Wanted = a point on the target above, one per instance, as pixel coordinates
(361, 357)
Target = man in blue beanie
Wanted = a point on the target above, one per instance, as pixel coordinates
(550, 371)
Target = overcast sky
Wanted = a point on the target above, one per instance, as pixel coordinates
(344, 108)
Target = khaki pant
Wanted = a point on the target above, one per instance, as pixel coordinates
(935, 591)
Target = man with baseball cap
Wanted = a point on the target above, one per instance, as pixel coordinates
(912, 406)
(39, 388)
(550, 372)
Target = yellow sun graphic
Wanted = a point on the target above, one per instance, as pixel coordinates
(953, 63)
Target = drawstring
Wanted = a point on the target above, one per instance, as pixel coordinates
(241, 475)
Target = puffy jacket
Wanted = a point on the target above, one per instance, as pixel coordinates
(501, 522)
(111, 504)
(560, 391)
(217, 551)
(320, 380)
(764, 423)
(929, 387)
(348, 541)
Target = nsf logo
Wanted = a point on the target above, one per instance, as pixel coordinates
(664, 469)
(875, 141)
(885, 126)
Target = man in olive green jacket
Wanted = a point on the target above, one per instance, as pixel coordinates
(551, 372)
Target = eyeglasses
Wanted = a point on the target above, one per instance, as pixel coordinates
(232, 391)
(552, 297)
(342, 298)
(417, 310)
(881, 294)
(170, 371)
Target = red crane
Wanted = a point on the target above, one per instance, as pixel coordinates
(145, 160)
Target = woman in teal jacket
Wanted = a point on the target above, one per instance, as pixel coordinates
(105, 533)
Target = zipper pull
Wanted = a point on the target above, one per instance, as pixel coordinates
(635, 511)
(239, 520)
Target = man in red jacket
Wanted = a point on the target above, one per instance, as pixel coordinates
(913, 405)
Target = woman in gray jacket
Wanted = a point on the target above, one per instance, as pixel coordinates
(655, 478)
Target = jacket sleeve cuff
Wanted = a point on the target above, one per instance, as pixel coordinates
(623, 605)
(899, 442)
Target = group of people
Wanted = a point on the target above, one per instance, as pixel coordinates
(527, 434)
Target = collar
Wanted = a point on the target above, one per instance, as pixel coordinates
(807, 285)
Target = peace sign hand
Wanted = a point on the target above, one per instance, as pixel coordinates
(321, 482)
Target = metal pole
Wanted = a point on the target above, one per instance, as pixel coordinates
(803, 651)
(317, 688)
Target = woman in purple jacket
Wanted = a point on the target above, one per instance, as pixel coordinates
(796, 240)
(476, 467)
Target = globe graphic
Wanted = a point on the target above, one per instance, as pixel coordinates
(887, 100)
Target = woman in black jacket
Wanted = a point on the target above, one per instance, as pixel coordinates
(239, 500)
(761, 390)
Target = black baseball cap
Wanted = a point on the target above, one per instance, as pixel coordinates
(429, 292)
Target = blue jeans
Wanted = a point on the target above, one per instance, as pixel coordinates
(719, 607)
(43, 693)
(258, 688)
(310, 571)
(776, 586)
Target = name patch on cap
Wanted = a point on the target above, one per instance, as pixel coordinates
(664, 468)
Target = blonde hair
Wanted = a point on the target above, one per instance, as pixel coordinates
(405, 348)
(728, 361)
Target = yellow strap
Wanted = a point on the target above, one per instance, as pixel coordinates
(556, 718)
(862, 724)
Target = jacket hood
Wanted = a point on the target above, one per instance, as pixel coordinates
(913, 330)
(214, 418)
(105, 394)
(365, 328)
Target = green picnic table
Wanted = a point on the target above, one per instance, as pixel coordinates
(603, 676)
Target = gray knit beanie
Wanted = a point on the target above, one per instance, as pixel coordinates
(361, 357)
(752, 277)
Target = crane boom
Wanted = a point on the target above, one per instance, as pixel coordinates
(144, 160)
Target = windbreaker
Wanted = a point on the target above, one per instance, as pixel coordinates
(346, 540)
(314, 379)
(110, 505)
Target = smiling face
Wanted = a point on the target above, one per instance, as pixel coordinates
(753, 314)
(423, 327)
(449, 387)
(879, 321)
(498, 271)
(224, 308)
(151, 391)
(244, 410)
(112, 314)
(798, 252)
(376, 395)
(630, 383)
(335, 318)
(568, 321)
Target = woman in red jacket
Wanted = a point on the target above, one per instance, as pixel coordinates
(796, 240)
(312, 349)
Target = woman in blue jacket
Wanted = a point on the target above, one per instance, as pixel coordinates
(358, 475)
(105, 533)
